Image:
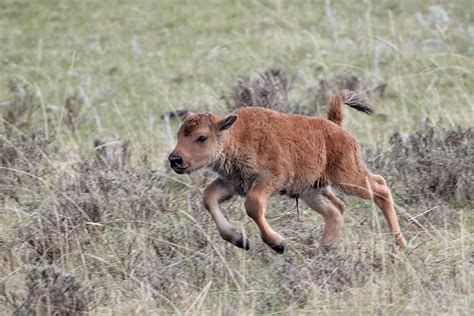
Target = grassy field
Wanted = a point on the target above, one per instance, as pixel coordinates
(92, 219)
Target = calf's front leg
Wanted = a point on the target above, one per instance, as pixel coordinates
(215, 193)
(255, 204)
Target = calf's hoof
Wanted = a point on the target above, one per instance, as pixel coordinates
(400, 243)
(323, 249)
(235, 238)
(243, 243)
(280, 248)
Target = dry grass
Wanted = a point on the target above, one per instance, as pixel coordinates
(93, 221)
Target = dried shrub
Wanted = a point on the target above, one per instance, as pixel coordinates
(334, 272)
(269, 89)
(22, 146)
(22, 157)
(179, 113)
(330, 84)
(108, 157)
(103, 190)
(431, 165)
(18, 111)
(266, 90)
(59, 223)
(23, 151)
(49, 292)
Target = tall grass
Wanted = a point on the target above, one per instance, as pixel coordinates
(92, 220)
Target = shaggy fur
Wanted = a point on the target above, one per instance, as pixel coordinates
(258, 153)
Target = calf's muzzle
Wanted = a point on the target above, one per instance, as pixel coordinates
(176, 161)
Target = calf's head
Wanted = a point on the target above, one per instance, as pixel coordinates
(200, 140)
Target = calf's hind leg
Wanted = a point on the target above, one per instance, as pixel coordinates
(383, 198)
(373, 186)
(214, 194)
(332, 209)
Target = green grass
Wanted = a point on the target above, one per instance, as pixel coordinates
(134, 62)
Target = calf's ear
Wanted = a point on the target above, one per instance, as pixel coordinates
(226, 123)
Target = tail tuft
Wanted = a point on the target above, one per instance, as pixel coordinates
(352, 99)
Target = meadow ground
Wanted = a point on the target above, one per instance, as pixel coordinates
(92, 220)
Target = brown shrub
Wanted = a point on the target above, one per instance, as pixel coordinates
(431, 165)
(22, 159)
(49, 292)
(269, 89)
(18, 111)
(335, 271)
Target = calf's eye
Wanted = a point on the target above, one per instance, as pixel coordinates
(201, 139)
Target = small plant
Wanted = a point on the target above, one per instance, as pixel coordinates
(73, 106)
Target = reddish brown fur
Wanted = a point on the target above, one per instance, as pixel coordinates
(336, 104)
(266, 152)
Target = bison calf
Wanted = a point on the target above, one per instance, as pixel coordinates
(258, 153)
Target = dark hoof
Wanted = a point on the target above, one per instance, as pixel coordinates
(280, 248)
(243, 243)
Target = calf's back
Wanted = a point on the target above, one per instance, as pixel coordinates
(301, 151)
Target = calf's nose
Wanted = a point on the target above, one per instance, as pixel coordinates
(175, 160)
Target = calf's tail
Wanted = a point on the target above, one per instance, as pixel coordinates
(350, 98)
